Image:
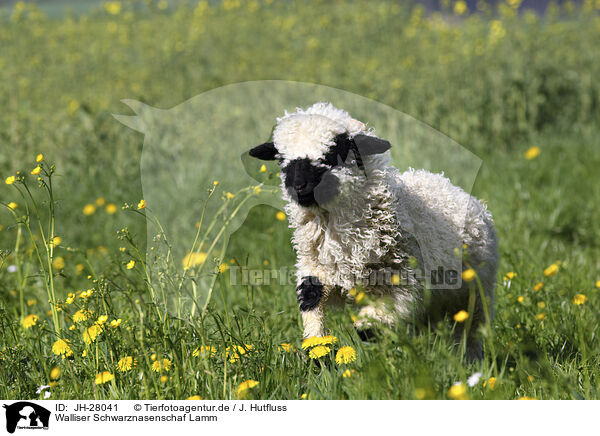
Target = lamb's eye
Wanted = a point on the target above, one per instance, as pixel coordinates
(339, 151)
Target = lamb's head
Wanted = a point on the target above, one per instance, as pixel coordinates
(315, 148)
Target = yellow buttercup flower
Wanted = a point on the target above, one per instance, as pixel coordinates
(245, 386)
(461, 316)
(61, 348)
(538, 286)
(348, 373)
(55, 373)
(458, 392)
(55, 241)
(100, 201)
(552, 270)
(540, 316)
(91, 333)
(345, 355)
(39, 158)
(10, 180)
(141, 205)
(29, 321)
(532, 152)
(125, 364)
(58, 263)
(490, 383)
(89, 209)
(104, 377)
(263, 169)
(12, 205)
(579, 299)
(115, 323)
(161, 365)
(520, 299)
(509, 276)
(468, 275)
(193, 259)
(318, 352)
(130, 264)
(111, 208)
(598, 284)
(205, 351)
(286, 348)
(229, 195)
(36, 171)
(280, 216)
(81, 315)
(102, 319)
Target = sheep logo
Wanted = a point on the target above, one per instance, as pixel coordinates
(357, 219)
(26, 415)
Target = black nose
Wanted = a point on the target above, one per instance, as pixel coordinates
(300, 185)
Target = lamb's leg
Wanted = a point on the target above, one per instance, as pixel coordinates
(311, 300)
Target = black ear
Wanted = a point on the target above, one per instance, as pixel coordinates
(368, 145)
(266, 151)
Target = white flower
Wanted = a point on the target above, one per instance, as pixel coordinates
(47, 395)
(474, 379)
(41, 388)
(12, 268)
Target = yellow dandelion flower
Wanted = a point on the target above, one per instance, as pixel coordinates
(205, 351)
(359, 297)
(598, 284)
(102, 319)
(104, 377)
(61, 348)
(161, 365)
(348, 373)
(55, 241)
(164, 378)
(234, 352)
(89, 209)
(130, 264)
(509, 276)
(91, 333)
(461, 316)
(469, 275)
(303, 396)
(552, 270)
(125, 364)
(84, 353)
(280, 216)
(245, 386)
(318, 351)
(286, 348)
(59, 263)
(100, 201)
(458, 392)
(55, 373)
(540, 316)
(29, 321)
(579, 299)
(229, 195)
(32, 302)
(12, 205)
(194, 397)
(215, 183)
(532, 152)
(520, 299)
(153, 357)
(72, 327)
(142, 204)
(345, 355)
(81, 315)
(111, 208)
(10, 180)
(115, 323)
(490, 383)
(538, 286)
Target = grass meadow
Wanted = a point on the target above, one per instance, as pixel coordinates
(518, 89)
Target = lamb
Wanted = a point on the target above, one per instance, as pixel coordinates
(358, 221)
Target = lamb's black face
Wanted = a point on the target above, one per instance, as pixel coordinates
(310, 184)
(313, 183)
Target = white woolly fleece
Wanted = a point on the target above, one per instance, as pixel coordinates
(380, 220)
